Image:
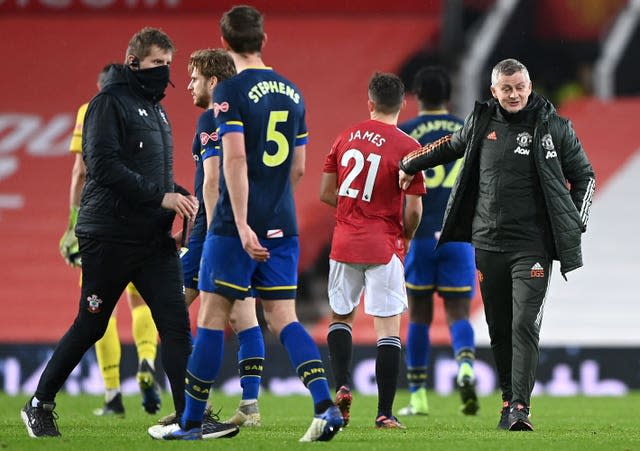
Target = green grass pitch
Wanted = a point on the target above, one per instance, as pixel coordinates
(569, 423)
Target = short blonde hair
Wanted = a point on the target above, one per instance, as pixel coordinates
(212, 63)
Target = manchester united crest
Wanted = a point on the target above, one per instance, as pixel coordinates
(524, 139)
(547, 142)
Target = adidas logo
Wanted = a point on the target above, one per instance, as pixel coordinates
(537, 270)
(492, 136)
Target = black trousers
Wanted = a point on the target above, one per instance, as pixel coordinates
(107, 268)
(514, 288)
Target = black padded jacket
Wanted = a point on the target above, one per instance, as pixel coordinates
(128, 150)
(566, 177)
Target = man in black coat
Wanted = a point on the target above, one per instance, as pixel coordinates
(522, 199)
(124, 225)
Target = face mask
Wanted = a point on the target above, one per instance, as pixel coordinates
(153, 81)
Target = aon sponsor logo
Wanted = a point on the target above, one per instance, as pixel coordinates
(521, 151)
(551, 154)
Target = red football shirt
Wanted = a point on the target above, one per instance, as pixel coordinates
(369, 212)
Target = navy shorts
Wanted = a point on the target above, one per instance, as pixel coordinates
(227, 269)
(191, 261)
(450, 270)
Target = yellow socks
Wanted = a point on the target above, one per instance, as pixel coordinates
(108, 354)
(145, 333)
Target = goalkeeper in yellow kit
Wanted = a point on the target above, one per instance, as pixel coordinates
(144, 330)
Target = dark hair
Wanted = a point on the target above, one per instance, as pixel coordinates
(212, 63)
(141, 42)
(102, 76)
(432, 86)
(242, 28)
(387, 92)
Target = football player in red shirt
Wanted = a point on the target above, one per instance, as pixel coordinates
(370, 239)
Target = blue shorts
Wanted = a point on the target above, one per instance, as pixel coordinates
(191, 261)
(450, 270)
(226, 268)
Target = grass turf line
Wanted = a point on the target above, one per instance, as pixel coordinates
(567, 423)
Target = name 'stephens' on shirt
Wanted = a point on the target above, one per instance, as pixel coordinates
(372, 137)
(263, 88)
(432, 126)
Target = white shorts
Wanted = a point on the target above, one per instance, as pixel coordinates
(384, 289)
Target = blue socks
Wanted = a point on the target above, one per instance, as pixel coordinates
(250, 361)
(202, 369)
(463, 341)
(417, 355)
(305, 358)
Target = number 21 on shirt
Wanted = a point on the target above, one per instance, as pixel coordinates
(359, 160)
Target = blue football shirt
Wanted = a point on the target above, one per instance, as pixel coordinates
(269, 110)
(427, 128)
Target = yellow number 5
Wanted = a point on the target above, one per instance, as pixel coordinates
(281, 141)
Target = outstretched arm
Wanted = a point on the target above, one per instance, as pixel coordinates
(441, 151)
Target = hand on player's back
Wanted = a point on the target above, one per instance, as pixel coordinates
(404, 179)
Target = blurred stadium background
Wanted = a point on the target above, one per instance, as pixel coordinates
(583, 54)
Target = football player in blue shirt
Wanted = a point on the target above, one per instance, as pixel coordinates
(207, 68)
(252, 243)
(450, 269)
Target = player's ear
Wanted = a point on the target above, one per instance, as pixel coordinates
(264, 40)
(133, 61)
(225, 44)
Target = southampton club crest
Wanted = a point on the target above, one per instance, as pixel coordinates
(94, 304)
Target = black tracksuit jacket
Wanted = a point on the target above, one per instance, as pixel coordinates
(128, 152)
(566, 177)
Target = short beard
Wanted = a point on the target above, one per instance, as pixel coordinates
(202, 102)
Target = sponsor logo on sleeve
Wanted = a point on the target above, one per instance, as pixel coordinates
(205, 137)
(547, 144)
(217, 107)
